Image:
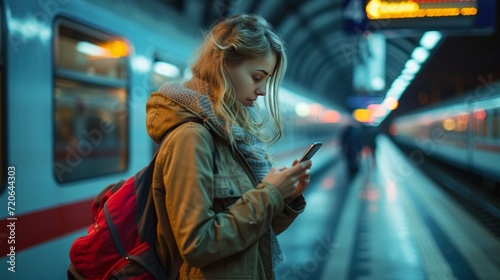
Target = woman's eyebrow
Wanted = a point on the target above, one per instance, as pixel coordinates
(263, 71)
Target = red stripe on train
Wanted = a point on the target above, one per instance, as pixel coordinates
(35, 228)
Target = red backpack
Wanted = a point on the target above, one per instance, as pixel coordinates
(120, 243)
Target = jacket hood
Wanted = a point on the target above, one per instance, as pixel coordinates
(163, 113)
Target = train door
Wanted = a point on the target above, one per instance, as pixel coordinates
(483, 149)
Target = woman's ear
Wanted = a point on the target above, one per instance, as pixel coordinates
(227, 70)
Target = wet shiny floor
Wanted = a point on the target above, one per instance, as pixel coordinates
(389, 221)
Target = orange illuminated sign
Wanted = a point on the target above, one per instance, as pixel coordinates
(414, 17)
(386, 9)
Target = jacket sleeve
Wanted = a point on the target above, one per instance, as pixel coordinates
(285, 218)
(202, 235)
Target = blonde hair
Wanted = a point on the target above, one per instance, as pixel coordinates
(233, 41)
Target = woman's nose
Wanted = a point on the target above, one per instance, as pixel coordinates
(261, 90)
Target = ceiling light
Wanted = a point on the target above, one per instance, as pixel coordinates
(412, 67)
(377, 83)
(430, 39)
(420, 54)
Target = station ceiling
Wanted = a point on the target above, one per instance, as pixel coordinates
(322, 51)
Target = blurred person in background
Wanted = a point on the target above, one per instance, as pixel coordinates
(351, 148)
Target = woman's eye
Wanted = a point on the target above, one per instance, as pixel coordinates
(256, 78)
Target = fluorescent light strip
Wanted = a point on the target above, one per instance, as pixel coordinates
(418, 57)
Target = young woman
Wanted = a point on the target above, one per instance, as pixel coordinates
(219, 201)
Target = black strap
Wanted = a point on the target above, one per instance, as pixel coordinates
(113, 231)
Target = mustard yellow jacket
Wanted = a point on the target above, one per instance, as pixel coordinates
(214, 215)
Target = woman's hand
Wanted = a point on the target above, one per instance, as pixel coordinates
(302, 185)
(291, 182)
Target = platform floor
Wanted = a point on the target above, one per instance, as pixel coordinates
(388, 222)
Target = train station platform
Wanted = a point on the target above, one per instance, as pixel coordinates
(390, 221)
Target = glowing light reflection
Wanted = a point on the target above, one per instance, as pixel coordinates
(166, 69)
(141, 64)
(29, 28)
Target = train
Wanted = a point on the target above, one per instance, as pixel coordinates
(463, 131)
(74, 79)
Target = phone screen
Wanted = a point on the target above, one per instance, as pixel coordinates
(311, 151)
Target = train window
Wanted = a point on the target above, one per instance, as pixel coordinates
(462, 123)
(88, 52)
(480, 124)
(478, 129)
(90, 103)
(496, 125)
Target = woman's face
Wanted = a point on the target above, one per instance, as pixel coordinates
(250, 78)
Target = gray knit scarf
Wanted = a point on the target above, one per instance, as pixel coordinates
(253, 149)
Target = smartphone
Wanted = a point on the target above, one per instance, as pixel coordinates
(311, 151)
